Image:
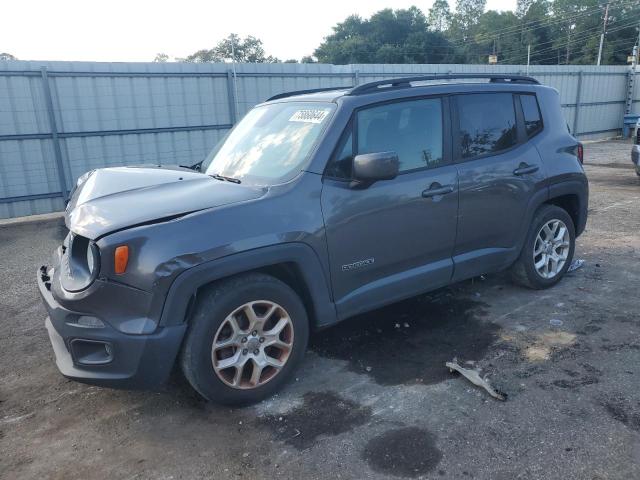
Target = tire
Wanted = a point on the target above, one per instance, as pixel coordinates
(228, 304)
(524, 271)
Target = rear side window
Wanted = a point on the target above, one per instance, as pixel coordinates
(412, 129)
(487, 123)
(532, 117)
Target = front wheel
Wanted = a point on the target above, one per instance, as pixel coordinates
(548, 249)
(247, 336)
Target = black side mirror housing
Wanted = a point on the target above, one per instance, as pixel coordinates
(371, 167)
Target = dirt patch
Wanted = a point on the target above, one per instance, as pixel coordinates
(409, 342)
(322, 413)
(406, 452)
(539, 347)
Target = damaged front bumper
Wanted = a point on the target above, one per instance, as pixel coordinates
(90, 349)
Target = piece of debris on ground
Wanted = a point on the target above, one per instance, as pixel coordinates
(575, 265)
(474, 377)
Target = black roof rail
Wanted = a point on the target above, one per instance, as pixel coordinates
(302, 92)
(405, 82)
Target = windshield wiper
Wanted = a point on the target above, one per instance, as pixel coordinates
(196, 166)
(223, 178)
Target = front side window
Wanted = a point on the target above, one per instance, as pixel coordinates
(412, 129)
(531, 111)
(487, 123)
(271, 144)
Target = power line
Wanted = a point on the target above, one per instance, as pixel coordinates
(544, 23)
(582, 37)
(539, 60)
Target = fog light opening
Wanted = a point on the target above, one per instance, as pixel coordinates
(91, 352)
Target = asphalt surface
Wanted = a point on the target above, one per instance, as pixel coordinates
(373, 398)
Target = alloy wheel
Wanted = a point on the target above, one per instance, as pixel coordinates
(551, 248)
(252, 344)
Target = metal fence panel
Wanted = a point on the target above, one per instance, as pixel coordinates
(77, 116)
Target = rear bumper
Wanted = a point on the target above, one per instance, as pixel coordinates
(105, 356)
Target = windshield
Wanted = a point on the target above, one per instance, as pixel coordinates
(270, 144)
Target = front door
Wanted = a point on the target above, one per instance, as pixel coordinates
(395, 238)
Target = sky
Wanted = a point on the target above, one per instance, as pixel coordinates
(136, 30)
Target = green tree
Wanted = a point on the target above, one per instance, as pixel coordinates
(537, 30)
(568, 26)
(389, 36)
(7, 56)
(233, 48)
(468, 13)
(522, 7)
(439, 16)
(161, 58)
(557, 31)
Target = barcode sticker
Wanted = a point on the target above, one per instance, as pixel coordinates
(309, 116)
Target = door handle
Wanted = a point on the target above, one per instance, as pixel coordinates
(436, 189)
(524, 169)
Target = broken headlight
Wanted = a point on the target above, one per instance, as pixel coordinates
(80, 264)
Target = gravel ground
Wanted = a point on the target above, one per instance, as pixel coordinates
(373, 398)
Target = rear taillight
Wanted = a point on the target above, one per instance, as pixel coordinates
(580, 153)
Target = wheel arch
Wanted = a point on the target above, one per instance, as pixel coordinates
(571, 196)
(296, 264)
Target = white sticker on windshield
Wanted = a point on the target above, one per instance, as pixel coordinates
(309, 116)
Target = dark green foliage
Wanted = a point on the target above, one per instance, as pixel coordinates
(389, 36)
(558, 31)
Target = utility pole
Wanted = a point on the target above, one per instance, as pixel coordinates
(604, 31)
(235, 76)
(528, 57)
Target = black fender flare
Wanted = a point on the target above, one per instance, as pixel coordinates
(176, 304)
(580, 188)
(537, 199)
(544, 195)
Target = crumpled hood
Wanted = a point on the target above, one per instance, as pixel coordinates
(111, 199)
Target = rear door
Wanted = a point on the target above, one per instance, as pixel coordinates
(499, 171)
(394, 238)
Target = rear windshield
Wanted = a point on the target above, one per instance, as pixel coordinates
(271, 144)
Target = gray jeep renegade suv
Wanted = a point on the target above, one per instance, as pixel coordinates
(317, 206)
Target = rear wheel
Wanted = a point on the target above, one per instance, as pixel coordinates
(247, 336)
(548, 249)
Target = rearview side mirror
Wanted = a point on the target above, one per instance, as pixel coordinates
(371, 167)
